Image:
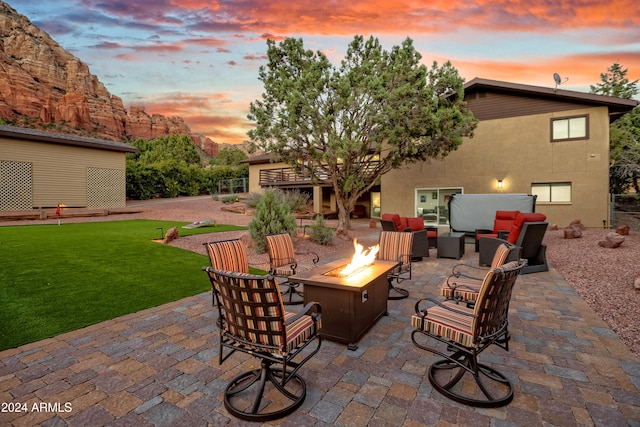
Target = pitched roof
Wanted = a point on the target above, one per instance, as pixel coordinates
(64, 139)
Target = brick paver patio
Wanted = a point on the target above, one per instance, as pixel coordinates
(159, 367)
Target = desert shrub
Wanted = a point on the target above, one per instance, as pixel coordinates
(272, 216)
(320, 233)
(296, 199)
(252, 199)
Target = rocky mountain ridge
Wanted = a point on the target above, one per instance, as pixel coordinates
(46, 87)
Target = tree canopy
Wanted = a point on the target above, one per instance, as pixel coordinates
(624, 154)
(615, 83)
(229, 156)
(350, 124)
(624, 133)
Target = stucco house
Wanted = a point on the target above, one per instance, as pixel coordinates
(549, 142)
(42, 169)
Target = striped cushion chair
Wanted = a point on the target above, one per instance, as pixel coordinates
(283, 263)
(465, 333)
(462, 286)
(227, 255)
(396, 246)
(255, 322)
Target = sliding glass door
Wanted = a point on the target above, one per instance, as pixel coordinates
(432, 204)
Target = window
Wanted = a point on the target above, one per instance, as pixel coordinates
(554, 192)
(568, 128)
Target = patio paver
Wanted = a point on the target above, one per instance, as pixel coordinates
(159, 367)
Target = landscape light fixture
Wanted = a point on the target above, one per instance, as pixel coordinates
(161, 232)
(500, 184)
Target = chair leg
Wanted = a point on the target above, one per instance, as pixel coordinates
(396, 293)
(493, 388)
(291, 296)
(250, 387)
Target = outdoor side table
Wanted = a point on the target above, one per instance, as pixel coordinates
(451, 245)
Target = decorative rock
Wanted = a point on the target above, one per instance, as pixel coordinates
(553, 227)
(623, 230)
(373, 224)
(343, 233)
(572, 233)
(613, 240)
(576, 223)
(172, 234)
(636, 283)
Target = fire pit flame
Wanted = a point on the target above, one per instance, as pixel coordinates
(361, 258)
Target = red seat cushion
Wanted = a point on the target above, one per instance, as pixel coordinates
(432, 234)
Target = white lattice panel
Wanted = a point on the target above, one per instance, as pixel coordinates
(15, 186)
(106, 188)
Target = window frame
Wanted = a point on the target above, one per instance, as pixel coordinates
(553, 120)
(550, 186)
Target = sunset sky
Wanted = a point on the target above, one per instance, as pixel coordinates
(199, 59)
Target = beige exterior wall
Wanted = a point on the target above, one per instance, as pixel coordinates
(254, 174)
(518, 151)
(60, 173)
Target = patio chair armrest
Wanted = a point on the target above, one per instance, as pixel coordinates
(456, 271)
(483, 231)
(315, 256)
(423, 312)
(452, 284)
(403, 256)
(313, 307)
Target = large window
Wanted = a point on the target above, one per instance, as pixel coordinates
(567, 128)
(552, 192)
(432, 204)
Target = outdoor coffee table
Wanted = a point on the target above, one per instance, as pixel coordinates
(451, 245)
(350, 305)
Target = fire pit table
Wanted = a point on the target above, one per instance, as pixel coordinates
(351, 304)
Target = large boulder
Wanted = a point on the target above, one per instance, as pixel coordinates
(623, 230)
(613, 240)
(171, 235)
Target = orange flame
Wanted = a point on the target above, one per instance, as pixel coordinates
(361, 258)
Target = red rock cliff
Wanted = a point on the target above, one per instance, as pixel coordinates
(44, 83)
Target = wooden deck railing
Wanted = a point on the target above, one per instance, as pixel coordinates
(287, 176)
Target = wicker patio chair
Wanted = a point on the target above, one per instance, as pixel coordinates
(283, 264)
(255, 322)
(460, 334)
(396, 246)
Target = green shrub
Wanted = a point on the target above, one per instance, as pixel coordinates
(320, 233)
(272, 216)
(231, 198)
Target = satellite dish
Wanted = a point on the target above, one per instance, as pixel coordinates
(558, 79)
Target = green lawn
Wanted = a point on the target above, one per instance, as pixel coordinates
(56, 279)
